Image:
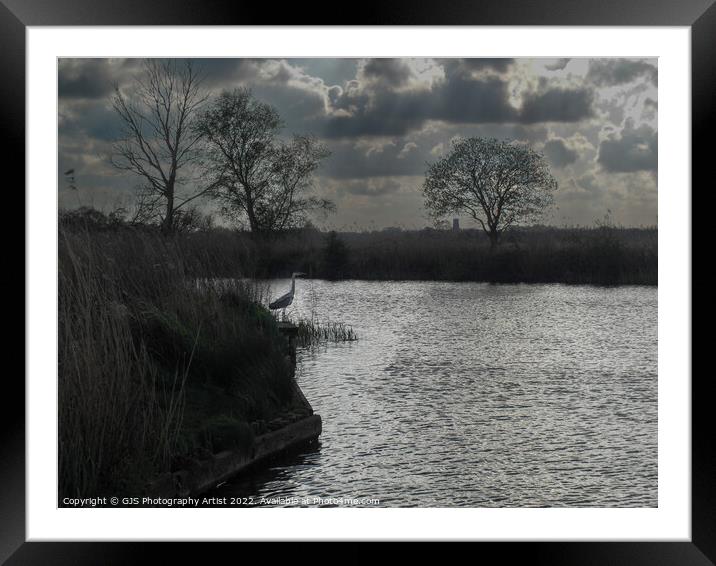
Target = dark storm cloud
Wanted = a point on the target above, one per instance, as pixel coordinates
(633, 149)
(93, 120)
(458, 100)
(299, 108)
(559, 154)
(453, 67)
(462, 100)
(84, 79)
(95, 78)
(387, 113)
(557, 105)
(357, 159)
(224, 71)
(349, 162)
(613, 72)
(392, 72)
(369, 105)
(229, 73)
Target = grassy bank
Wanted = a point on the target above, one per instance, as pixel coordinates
(155, 367)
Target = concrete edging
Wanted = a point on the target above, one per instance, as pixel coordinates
(225, 465)
(206, 474)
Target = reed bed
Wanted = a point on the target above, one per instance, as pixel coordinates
(157, 361)
(311, 332)
(600, 255)
(603, 254)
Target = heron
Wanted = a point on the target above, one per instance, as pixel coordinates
(286, 299)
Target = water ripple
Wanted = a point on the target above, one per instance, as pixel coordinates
(465, 394)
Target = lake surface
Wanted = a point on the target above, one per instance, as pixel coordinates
(476, 395)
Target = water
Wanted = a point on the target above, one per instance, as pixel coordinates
(477, 395)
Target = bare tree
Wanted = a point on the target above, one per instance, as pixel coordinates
(498, 183)
(147, 207)
(257, 177)
(285, 203)
(159, 143)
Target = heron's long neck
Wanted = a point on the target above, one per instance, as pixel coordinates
(293, 284)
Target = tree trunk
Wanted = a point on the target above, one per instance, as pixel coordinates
(494, 239)
(168, 222)
(253, 221)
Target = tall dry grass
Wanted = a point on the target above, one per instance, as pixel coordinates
(118, 420)
(157, 360)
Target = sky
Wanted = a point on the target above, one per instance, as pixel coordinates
(385, 120)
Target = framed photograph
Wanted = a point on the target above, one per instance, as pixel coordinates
(422, 276)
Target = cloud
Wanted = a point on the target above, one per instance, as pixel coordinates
(438, 149)
(371, 187)
(463, 100)
(408, 155)
(558, 153)
(407, 148)
(226, 73)
(84, 78)
(332, 71)
(557, 105)
(589, 183)
(649, 109)
(466, 67)
(386, 113)
(300, 98)
(630, 198)
(352, 160)
(632, 149)
(392, 72)
(91, 119)
(558, 64)
(457, 99)
(611, 72)
(387, 97)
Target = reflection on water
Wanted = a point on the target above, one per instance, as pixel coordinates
(468, 394)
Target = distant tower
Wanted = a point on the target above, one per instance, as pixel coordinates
(455, 224)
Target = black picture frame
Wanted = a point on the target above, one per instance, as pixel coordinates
(16, 15)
